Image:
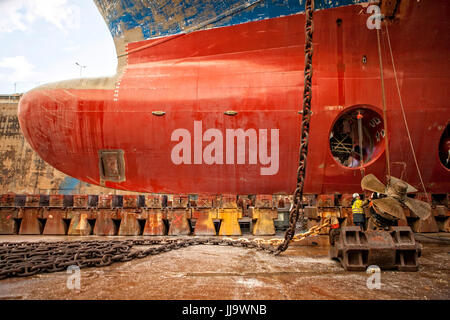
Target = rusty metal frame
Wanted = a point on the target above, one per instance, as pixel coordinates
(104, 176)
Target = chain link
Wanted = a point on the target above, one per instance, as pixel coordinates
(306, 116)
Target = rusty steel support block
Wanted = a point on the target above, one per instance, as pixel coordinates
(79, 224)
(80, 201)
(394, 249)
(129, 224)
(55, 224)
(204, 201)
(230, 224)
(264, 225)
(105, 201)
(325, 200)
(104, 224)
(179, 224)
(7, 200)
(56, 200)
(32, 200)
(154, 201)
(154, 225)
(8, 222)
(30, 220)
(204, 226)
(130, 201)
(180, 201)
(228, 201)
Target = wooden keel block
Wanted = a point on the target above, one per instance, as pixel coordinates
(55, 223)
(230, 225)
(30, 220)
(179, 224)
(8, 224)
(104, 224)
(264, 225)
(204, 225)
(154, 225)
(79, 225)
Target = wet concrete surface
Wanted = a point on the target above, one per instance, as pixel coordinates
(210, 272)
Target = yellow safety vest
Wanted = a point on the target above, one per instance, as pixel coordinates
(357, 207)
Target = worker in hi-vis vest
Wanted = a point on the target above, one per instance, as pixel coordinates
(359, 218)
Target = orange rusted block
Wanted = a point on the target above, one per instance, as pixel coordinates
(104, 224)
(154, 201)
(230, 224)
(80, 201)
(129, 224)
(79, 224)
(7, 200)
(30, 220)
(130, 201)
(228, 201)
(154, 225)
(179, 224)
(105, 201)
(180, 201)
(264, 225)
(8, 224)
(264, 201)
(204, 226)
(325, 200)
(204, 201)
(55, 223)
(56, 200)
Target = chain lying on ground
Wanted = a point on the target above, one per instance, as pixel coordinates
(306, 116)
(21, 259)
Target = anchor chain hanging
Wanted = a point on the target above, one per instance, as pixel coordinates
(306, 116)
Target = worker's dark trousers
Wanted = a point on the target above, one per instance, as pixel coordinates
(361, 224)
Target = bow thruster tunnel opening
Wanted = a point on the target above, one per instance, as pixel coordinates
(357, 133)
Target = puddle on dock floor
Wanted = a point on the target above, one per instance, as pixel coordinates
(217, 272)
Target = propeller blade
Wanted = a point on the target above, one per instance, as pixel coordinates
(390, 206)
(371, 183)
(409, 189)
(419, 207)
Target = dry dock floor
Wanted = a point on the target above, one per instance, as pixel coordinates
(207, 272)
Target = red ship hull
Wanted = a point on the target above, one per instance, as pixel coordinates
(256, 70)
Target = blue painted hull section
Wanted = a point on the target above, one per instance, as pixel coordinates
(164, 18)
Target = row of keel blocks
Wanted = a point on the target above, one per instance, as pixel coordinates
(155, 201)
(194, 201)
(133, 222)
